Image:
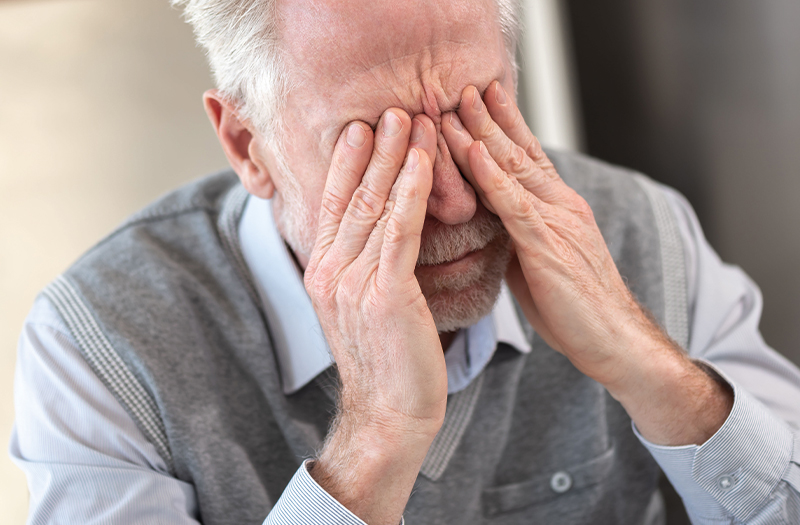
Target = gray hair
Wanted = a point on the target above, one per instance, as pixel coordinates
(240, 39)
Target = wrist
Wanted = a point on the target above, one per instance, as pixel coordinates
(388, 417)
(672, 400)
(370, 467)
(376, 438)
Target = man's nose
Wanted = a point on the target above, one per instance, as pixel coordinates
(452, 199)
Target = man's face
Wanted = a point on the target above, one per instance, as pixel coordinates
(351, 60)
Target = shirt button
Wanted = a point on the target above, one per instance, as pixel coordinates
(726, 483)
(561, 482)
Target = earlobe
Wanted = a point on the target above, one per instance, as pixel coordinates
(240, 144)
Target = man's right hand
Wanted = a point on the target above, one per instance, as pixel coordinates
(361, 281)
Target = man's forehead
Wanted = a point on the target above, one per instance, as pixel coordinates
(413, 54)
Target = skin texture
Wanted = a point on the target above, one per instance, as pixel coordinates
(433, 81)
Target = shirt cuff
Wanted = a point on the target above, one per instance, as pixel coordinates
(736, 470)
(304, 501)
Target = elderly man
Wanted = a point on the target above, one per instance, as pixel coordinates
(180, 372)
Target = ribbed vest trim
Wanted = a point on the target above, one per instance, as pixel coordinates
(108, 365)
(673, 264)
(460, 407)
(228, 226)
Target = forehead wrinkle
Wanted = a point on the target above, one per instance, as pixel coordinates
(430, 84)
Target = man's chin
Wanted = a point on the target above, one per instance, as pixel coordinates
(462, 292)
(453, 310)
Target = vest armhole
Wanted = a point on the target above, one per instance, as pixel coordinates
(109, 366)
(673, 263)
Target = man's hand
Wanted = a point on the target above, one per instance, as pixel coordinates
(361, 281)
(566, 281)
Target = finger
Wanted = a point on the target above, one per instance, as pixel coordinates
(519, 209)
(369, 198)
(458, 142)
(402, 225)
(423, 135)
(511, 157)
(351, 156)
(506, 114)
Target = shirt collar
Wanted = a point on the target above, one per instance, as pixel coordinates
(300, 347)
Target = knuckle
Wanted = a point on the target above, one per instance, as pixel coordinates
(375, 302)
(408, 193)
(396, 232)
(349, 290)
(388, 208)
(517, 160)
(388, 157)
(319, 286)
(366, 204)
(498, 183)
(333, 204)
(582, 209)
(534, 148)
(524, 205)
(487, 128)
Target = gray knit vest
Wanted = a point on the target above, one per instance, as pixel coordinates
(165, 313)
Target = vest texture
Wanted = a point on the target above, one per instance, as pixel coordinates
(165, 313)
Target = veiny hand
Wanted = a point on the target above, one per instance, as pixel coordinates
(563, 275)
(361, 281)
(567, 282)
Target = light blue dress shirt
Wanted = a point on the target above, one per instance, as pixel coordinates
(87, 462)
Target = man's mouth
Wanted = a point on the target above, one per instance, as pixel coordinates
(449, 245)
(466, 253)
(459, 264)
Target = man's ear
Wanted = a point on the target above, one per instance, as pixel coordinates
(240, 144)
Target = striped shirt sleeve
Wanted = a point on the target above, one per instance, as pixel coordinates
(749, 471)
(105, 469)
(85, 459)
(304, 501)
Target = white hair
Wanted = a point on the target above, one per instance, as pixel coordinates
(241, 42)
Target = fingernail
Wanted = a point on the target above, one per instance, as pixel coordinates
(500, 94)
(417, 130)
(391, 124)
(477, 103)
(413, 160)
(484, 151)
(455, 122)
(356, 136)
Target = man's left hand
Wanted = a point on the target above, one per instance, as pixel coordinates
(567, 282)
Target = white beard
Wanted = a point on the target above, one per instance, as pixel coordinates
(461, 300)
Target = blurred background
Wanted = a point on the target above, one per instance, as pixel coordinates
(100, 112)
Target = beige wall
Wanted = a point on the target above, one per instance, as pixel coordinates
(100, 112)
